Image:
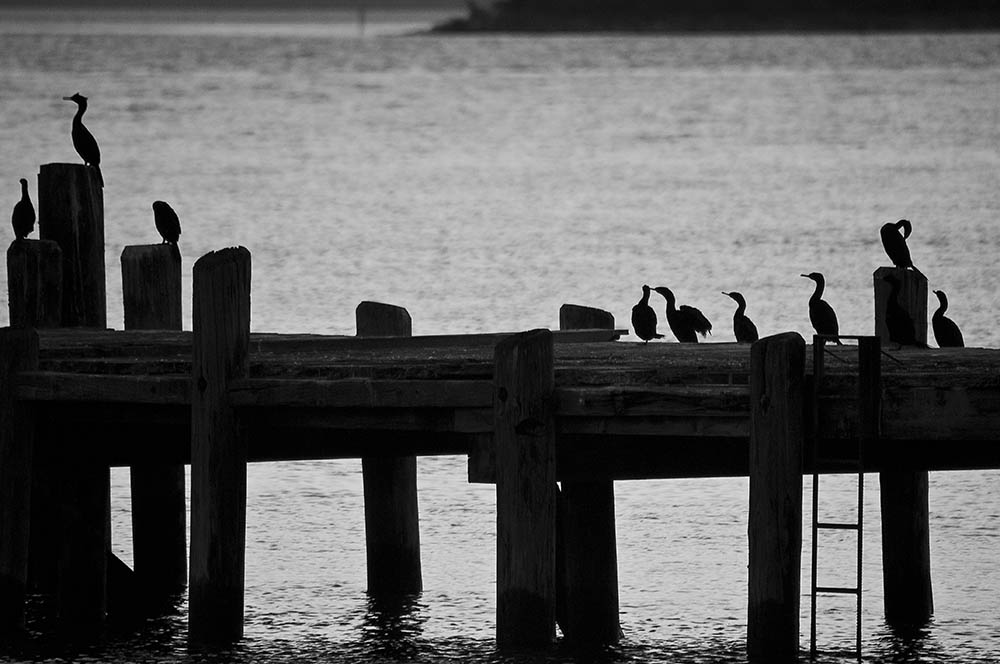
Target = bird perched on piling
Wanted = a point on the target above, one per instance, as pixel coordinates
(644, 318)
(821, 314)
(685, 322)
(23, 217)
(895, 244)
(946, 332)
(168, 225)
(743, 328)
(898, 320)
(83, 140)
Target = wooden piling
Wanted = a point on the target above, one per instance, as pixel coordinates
(71, 213)
(34, 283)
(777, 380)
(587, 606)
(912, 296)
(18, 352)
(220, 354)
(151, 289)
(524, 434)
(392, 522)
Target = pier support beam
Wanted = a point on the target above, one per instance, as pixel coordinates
(34, 283)
(524, 434)
(906, 549)
(392, 522)
(151, 290)
(587, 607)
(777, 381)
(221, 322)
(18, 352)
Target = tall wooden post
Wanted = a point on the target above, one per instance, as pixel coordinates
(151, 290)
(34, 283)
(71, 213)
(906, 550)
(221, 321)
(777, 380)
(524, 434)
(18, 352)
(392, 521)
(587, 607)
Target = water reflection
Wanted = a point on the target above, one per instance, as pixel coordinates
(393, 626)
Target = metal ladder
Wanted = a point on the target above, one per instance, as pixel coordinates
(869, 391)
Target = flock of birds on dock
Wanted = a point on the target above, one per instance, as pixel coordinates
(23, 217)
(687, 322)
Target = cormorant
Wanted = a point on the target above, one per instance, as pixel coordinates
(23, 217)
(83, 140)
(167, 224)
(685, 322)
(946, 332)
(821, 314)
(743, 327)
(895, 244)
(644, 318)
(898, 321)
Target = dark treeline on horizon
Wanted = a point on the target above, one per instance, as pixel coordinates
(800, 6)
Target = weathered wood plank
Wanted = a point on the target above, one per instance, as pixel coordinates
(362, 393)
(34, 283)
(151, 287)
(60, 386)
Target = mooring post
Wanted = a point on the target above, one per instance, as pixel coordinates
(18, 352)
(524, 435)
(220, 354)
(777, 381)
(906, 549)
(587, 606)
(71, 213)
(392, 521)
(151, 290)
(34, 283)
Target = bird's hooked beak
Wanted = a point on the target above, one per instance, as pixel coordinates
(806, 276)
(68, 99)
(727, 294)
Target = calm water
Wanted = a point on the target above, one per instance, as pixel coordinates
(482, 182)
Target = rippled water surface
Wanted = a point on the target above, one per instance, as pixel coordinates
(483, 181)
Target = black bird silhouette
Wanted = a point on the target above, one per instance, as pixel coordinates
(821, 314)
(23, 217)
(743, 327)
(946, 332)
(685, 322)
(898, 321)
(895, 244)
(83, 140)
(644, 318)
(168, 225)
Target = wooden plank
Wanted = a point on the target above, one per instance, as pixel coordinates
(34, 283)
(72, 387)
(221, 318)
(362, 393)
(526, 490)
(151, 287)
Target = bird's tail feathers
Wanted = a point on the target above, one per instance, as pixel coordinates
(175, 251)
(100, 178)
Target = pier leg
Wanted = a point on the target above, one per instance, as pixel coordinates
(524, 434)
(777, 380)
(34, 283)
(906, 550)
(151, 289)
(221, 321)
(18, 352)
(587, 606)
(392, 521)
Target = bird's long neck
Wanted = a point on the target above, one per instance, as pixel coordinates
(81, 108)
(645, 297)
(24, 191)
(943, 304)
(741, 308)
(818, 293)
(670, 301)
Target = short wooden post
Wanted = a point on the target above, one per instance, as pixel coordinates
(392, 521)
(71, 213)
(151, 289)
(777, 380)
(906, 550)
(524, 434)
(34, 283)
(220, 354)
(18, 352)
(587, 607)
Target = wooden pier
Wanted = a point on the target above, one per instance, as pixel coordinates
(529, 409)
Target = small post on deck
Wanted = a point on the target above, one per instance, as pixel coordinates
(392, 522)
(18, 352)
(587, 606)
(524, 434)
(34, 283)
(151, 290)
(220, 355)
(906, 550)
(777, 380)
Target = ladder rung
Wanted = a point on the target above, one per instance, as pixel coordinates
(838, 526)
(837, 591)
